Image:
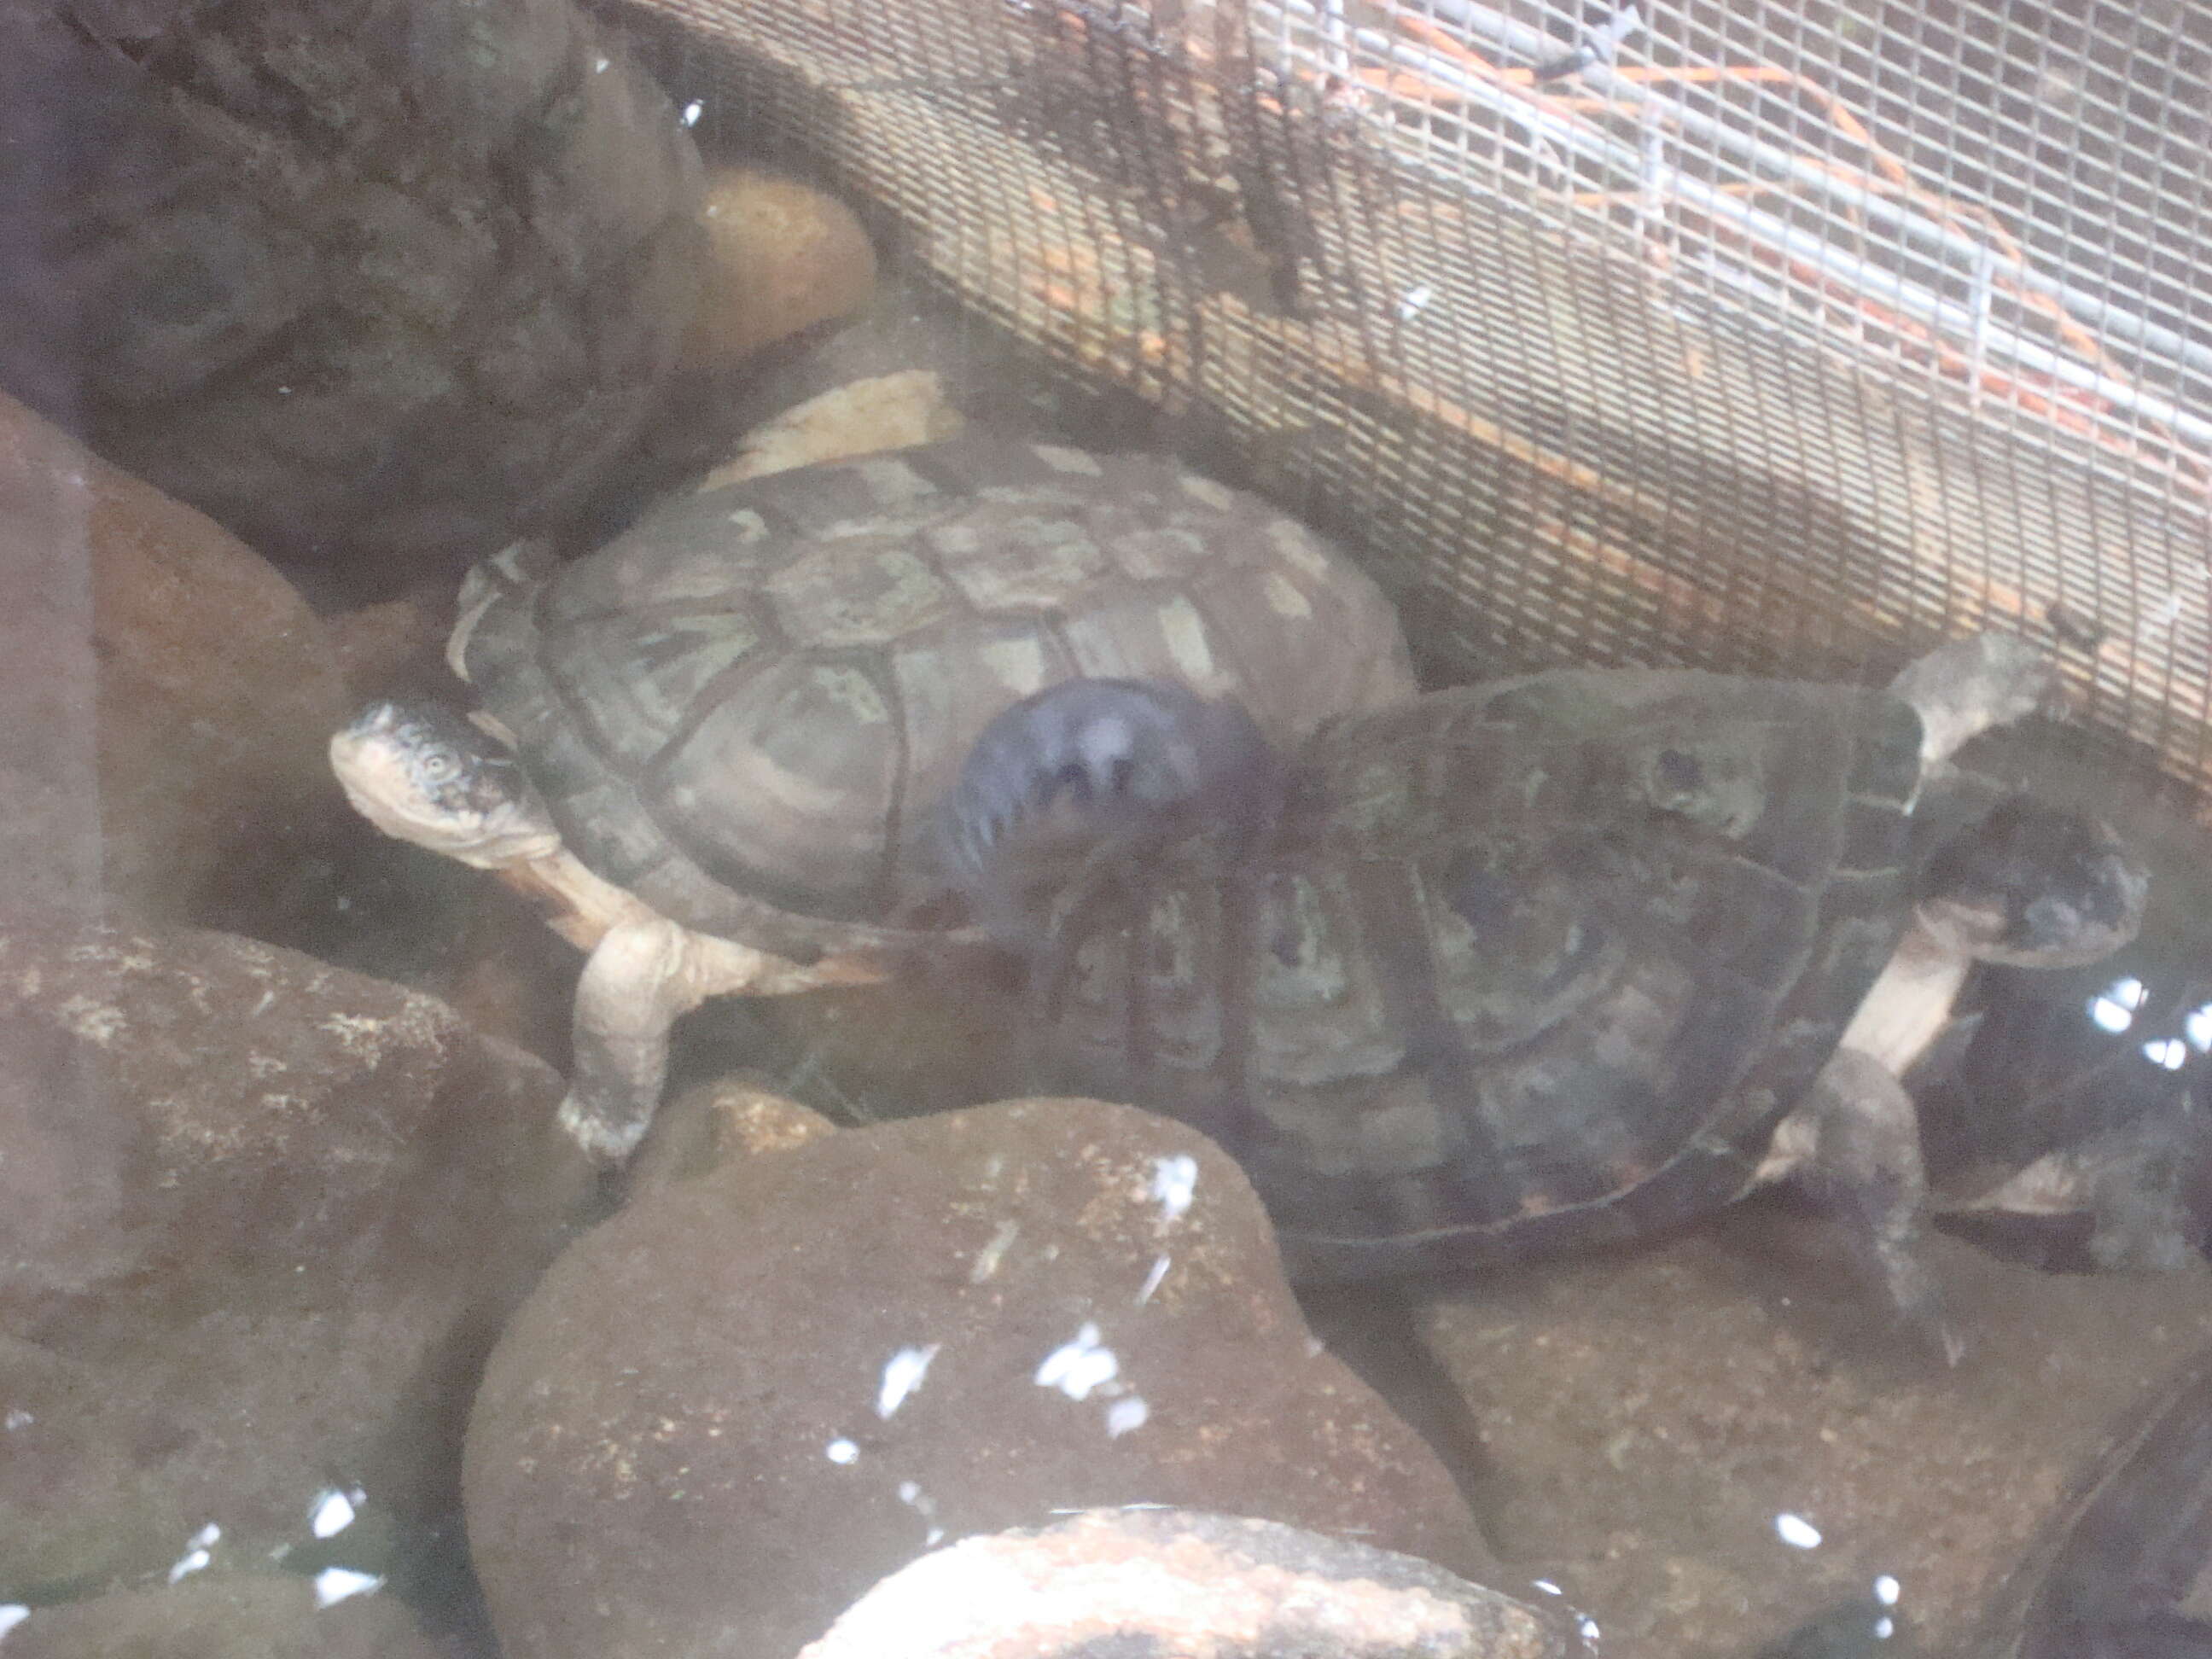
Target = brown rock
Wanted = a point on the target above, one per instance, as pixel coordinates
(258, 1222)
(782, 257)
(364, 279)
(165, 684)
(716, 1124)
(244, 1617)
(1172, 1581)
(747, 1397)
(396, 647)
(1649, 1419)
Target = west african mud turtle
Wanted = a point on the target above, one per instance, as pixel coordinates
(728, 725)
(1539, 963)
(2122, 1569)
(2064, 1118)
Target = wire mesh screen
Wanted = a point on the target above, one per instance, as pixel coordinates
(1739, 337)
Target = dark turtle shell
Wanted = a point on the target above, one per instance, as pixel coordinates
(2122, 1570)
(743, 708)
(1524, 965)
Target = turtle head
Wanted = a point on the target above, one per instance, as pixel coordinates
(2034, 885)
(1091, 765)
(424, 774)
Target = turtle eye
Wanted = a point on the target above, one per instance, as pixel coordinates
(1071, 779)
(438, 765)
(1482, 898)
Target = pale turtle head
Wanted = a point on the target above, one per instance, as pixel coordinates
(2034, 885)
(424, 774)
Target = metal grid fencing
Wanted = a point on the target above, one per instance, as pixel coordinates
(1741, 337)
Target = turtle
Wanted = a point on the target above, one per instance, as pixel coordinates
(2063, 1117)
(2122, 1567)
(711, 745)
(2075, 1145)
(1532, 964)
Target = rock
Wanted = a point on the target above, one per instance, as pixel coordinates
(782, 257)
(748, 1396)
(168, 687)
(242, 1617)
(1170, 1581)
(397, 646)
(2120, 1568)
(259, 1221)
(886, 411)
(718, 1124)
(1649, 1419)
(980, 375)
(370, 281)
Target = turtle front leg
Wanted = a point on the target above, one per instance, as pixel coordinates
(644, 974)
(1854, 1142)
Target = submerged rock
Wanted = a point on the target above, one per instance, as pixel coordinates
(370, 281)
(1175, 1581)
(750, 1395)
(1707, 1446)
(170, 695)
(259, 1220)
(782, 257)
(246, 1617)
(2123, 1568)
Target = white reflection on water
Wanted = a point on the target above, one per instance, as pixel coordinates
(1080, 1368)
(1796, 1531)
(198, 1555)
(2199, 1027)
(335, 1584)
(911, 1494)
(1175, 1184)
(1152, 1280)
(331, 1512)
(2115, 1009)
(902, 1375)
(2169, 1052)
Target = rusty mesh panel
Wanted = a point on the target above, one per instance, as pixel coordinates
(1744, 336)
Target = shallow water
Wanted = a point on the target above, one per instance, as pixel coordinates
(317, 1331)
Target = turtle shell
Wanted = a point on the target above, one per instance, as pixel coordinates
(1529, 965)
(2123, 1568)
(743, 708)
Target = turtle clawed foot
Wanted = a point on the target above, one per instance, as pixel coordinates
(1854, 1143)
(1918, 1301)
(606, 1139)
(853, 968)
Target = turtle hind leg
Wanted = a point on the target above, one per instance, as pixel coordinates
(2136, 1185)
(2142, 1186)
(645, 974)
(1854, 1145)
